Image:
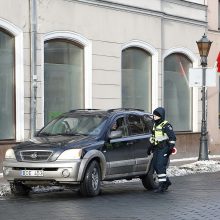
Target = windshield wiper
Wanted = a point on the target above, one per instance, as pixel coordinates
(64, 134)
(72, 134)
(44, 134)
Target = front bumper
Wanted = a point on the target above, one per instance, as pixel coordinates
(62, 172)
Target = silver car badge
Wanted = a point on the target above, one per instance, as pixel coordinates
(34, 155)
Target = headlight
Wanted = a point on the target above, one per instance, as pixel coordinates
(70, 154)
(10, 154)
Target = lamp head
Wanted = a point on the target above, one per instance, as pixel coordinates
(204, 45)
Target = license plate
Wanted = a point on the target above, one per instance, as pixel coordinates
(32, 173)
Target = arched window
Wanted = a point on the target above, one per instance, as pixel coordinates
(136, 78)
(7, 86)
(63, 77)
(177, 94)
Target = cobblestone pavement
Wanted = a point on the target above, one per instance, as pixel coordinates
(193, 197)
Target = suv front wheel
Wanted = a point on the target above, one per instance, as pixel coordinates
(19, 189)
(90, 185)
(150, 180)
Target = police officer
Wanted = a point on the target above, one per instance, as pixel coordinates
(163, 140)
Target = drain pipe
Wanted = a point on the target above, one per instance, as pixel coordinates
(33, 58)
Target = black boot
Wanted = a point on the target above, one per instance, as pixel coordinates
(161, 188)
(167, 184)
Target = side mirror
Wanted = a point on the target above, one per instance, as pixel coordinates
(115, 134)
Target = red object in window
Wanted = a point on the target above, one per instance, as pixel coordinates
(182, 71)
(218, 63)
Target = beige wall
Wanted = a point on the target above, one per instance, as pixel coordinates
(163, 24)
(213, 93)
(213, 15)
(118, 28)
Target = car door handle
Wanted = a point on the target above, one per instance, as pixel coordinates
(130, 143)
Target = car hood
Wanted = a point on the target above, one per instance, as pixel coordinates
(58, 141)
(54, 145)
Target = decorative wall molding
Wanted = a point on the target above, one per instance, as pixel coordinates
(87, 45)
(195, 62)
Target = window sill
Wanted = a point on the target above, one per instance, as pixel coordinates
(186, 132)
(8, 142)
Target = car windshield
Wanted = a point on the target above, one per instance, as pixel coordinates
(74, 125)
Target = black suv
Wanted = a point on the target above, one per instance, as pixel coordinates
(82, 148)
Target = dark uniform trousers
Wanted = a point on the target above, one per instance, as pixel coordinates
(160, 160)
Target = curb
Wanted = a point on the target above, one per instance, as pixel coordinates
(182, 161)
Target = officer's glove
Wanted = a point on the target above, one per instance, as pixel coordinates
(172, 150)
(152, 140)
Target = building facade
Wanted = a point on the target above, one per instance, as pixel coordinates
(66, 54)
(214, 92)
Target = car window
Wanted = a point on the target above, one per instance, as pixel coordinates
(148, 123)
(119, 124)
(136, 125)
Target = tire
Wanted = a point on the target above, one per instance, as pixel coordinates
(150, 180)
(90, 186)
(19, 189)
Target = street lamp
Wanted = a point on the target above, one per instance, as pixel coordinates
(204, 45)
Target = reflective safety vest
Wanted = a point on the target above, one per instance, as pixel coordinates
(158, 134)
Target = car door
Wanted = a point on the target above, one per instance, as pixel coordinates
(118, 151)
(139, 130)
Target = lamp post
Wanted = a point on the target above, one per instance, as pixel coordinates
(204, 45)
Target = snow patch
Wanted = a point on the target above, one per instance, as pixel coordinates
(192, 168)
(4, 190)
(40, 189)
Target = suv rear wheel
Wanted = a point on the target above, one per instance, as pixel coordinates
(90, 185)
(150, 180)
(19, 189)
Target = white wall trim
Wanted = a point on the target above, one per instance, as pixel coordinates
(19, 76)
(149, 48)
(195, 62)
(87, 44)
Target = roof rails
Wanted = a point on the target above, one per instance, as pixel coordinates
(125, 109)
(109, 110)
(84, 109)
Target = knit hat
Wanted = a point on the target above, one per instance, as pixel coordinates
(157, 114)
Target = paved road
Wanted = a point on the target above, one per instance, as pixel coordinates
(194, 197)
